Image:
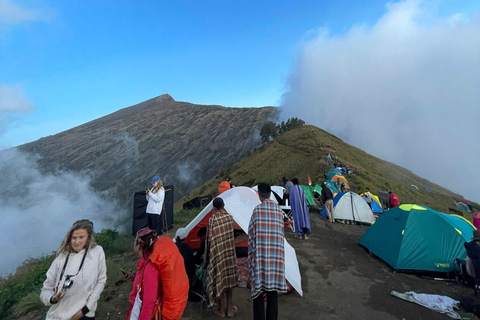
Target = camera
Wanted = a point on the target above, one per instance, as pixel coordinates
(68, 283)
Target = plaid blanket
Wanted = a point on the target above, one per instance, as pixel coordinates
(266, 256)
(222, 261)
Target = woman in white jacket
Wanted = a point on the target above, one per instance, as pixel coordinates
(155, 198)
(76, 277)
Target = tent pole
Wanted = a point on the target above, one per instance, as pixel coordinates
(351, 203)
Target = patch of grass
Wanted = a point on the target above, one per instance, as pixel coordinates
(17, 291)
(27, 304)
(114, 243)
(183, 217)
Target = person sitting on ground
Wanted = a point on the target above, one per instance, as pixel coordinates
(301, 217)
(221, 261)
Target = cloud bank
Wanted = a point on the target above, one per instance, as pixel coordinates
(37, 210)
(405, 89)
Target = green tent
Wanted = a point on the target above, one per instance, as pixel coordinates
(308, 194)
(411, 237)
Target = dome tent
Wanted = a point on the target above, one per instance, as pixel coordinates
(350, 206)
(415, 238)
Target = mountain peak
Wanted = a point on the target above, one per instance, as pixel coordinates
(165, 97)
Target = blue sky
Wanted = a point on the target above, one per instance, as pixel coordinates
(78, 60)
(63, 63)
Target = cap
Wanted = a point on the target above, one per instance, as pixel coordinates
(155, 179)
(144, 232)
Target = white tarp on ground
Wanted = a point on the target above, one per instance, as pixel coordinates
(240, 202)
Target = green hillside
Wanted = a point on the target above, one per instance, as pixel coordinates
(303, 152)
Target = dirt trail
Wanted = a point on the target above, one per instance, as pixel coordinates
(341, 280)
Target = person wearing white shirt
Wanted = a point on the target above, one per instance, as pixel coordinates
(155, 198)
(76, 277)
(368, 196)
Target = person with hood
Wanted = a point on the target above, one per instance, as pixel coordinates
(301, 217)
(76, 277)
(155, 198)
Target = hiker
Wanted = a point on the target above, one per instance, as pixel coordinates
(368, 197)
(155, 198)
(76, 277)
(288, 185)
(301, 217)
(327, 197)
(221, 261)
(394, 202)
(160, 286)
(473, 252)
(266, 256)
(225, 185)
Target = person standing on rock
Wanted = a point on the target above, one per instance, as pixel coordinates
(301, 217)
(266, 255)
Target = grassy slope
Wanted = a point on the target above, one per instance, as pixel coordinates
(302, 152)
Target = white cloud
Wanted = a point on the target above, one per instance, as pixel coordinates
(405, 89)
(11, 13)
(12, 99)
(38, 209)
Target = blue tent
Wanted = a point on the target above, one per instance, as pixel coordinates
(333, 172)
(412, 237)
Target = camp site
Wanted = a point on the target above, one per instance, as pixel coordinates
(189, 160)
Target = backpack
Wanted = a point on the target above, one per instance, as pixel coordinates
(169, 262)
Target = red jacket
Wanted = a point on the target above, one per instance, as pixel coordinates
(394, 200)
